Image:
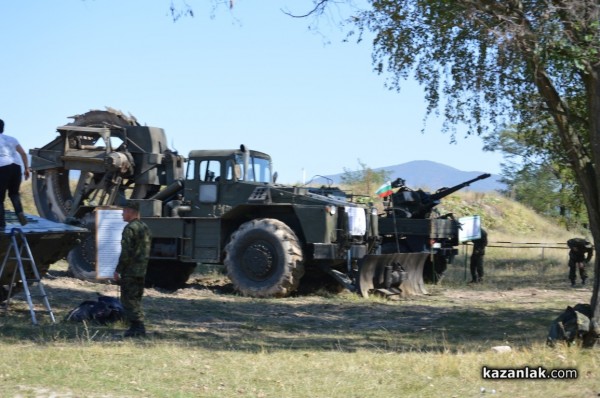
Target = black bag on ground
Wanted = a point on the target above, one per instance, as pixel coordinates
(105, 310)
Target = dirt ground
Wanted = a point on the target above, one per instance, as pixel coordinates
(67, 289)
(207, 311)
(216, 285)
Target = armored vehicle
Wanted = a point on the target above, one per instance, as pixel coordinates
(214, 207)
(411, 224)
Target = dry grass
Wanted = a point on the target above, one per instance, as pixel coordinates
(163, 370)
(509, 220)
(206, 341)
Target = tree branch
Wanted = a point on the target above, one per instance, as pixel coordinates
(318, 8)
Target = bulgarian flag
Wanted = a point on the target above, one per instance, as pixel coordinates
(385, 190)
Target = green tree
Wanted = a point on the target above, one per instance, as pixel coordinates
(541, 187)
(535, 175)
(364, 181)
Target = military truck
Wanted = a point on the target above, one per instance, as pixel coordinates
(214, 207)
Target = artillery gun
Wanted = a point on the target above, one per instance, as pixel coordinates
(410, 224)
(214, 207)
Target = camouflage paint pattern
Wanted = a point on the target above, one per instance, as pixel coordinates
(133, 262)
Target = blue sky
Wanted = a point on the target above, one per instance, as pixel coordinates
(250, 76)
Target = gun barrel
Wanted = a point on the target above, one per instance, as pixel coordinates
(447, 191)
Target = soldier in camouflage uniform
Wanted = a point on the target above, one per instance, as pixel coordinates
(579, 256)
(131, 269)
(477, 257)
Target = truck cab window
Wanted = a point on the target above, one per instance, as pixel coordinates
(234, 171)
(191, 167)
(260, 170)
(210, 171)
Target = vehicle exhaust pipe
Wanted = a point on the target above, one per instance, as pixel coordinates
(169, 191)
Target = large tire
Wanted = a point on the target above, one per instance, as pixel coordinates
(52, 188)
(82, 257)
(53, 194)
(264, 259)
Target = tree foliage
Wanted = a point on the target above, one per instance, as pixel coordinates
(535, 175)
(543, 188)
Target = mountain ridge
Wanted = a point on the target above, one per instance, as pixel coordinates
(430, 176)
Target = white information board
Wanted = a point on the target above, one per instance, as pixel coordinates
(470, 228)
(109, 230)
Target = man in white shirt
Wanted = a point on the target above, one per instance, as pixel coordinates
(10, 174)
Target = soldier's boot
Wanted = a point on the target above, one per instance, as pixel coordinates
(137, 329)
(16, 201)
(22, 218)
(573, 284)
(583, 281)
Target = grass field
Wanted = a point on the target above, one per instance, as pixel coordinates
(206, 341)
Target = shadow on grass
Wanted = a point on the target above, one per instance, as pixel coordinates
(344, 323)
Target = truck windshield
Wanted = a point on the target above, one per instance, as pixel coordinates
(259, 169)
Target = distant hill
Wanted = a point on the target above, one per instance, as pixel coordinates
(431, 176)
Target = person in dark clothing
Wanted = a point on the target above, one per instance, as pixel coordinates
(131, 268)
(580, 254)
(10, 174)
(477, 257)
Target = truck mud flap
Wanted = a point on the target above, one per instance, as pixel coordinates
(397, 274)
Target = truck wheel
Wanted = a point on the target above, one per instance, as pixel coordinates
(168, 274)
(81, 264)
(264, 259)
